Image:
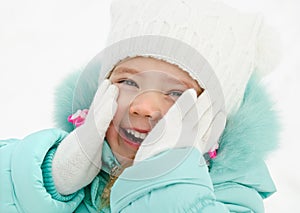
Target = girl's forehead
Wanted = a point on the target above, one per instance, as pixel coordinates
(141, 64)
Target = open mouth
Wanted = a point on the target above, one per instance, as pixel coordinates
(133, 137)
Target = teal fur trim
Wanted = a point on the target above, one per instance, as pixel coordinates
(82, 86)
(251, 133)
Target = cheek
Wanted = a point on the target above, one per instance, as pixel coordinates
(124, 100)
(121, 115)
(111, 134)
(167, 104)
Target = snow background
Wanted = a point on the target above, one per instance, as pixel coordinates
(42, 41)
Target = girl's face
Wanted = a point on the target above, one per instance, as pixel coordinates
(148, 87)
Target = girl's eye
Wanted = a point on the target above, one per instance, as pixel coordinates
(175, 93)
(128, 82)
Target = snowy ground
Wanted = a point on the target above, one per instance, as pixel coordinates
(42, 41)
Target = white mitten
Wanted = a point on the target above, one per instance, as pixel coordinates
(78, 157)
(190, 122)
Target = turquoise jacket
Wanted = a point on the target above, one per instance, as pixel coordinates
(236, 181)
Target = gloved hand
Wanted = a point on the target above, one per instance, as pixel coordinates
(78, 157)
(190, 122)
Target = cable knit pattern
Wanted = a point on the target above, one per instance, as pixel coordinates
(226, 38)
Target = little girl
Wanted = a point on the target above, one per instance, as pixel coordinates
(170, 117)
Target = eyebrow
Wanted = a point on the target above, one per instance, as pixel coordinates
(121, 70)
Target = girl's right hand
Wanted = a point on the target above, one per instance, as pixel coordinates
(78, 157)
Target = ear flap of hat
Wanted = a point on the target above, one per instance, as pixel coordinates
(251, 133)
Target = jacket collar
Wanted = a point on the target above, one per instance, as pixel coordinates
(109, 161)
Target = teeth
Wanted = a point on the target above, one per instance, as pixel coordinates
(137, 134)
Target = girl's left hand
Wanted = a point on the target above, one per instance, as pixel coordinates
(190, 122)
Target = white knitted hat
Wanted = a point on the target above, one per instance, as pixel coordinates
(223, 37)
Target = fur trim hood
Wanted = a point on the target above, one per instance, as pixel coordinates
(250, 133)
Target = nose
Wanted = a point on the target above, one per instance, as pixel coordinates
(148, 104)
